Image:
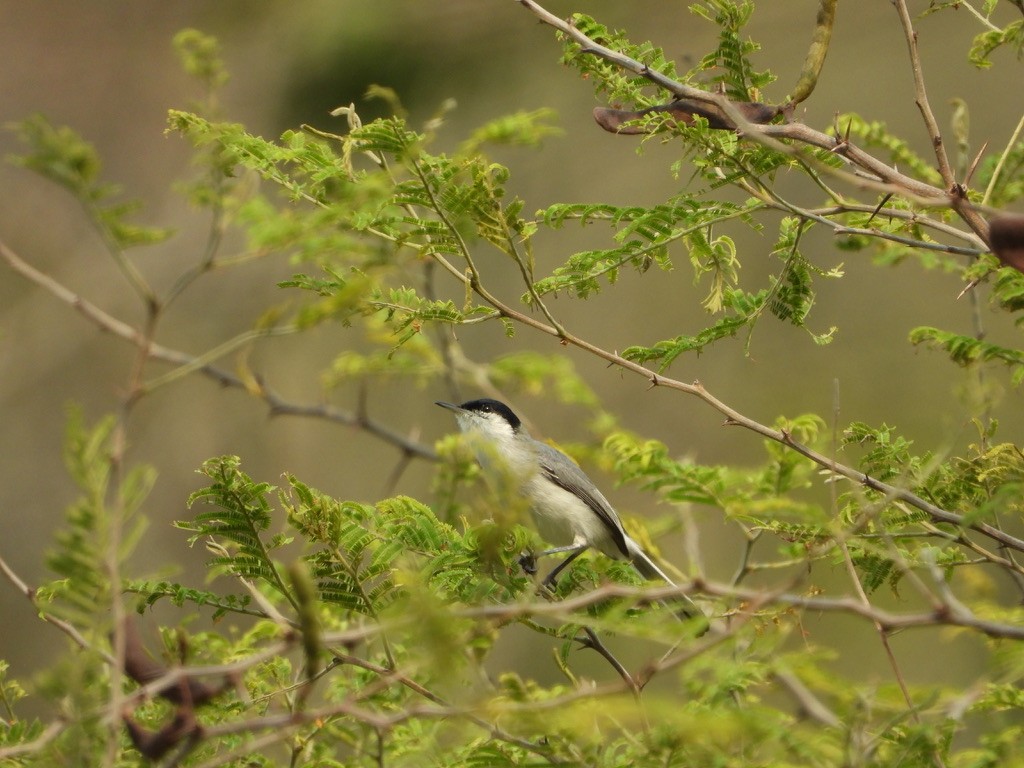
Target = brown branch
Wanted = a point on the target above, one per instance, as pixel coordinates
(958, 193)
(880, 176)
(810, 705)
(921, 95)
(594, 642)
(942, 616)
(883, 636)
(771, 199)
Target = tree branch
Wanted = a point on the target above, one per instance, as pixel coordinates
(881, 177)
(204, 365)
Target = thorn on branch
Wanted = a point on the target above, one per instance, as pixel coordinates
(970, 286)
(842, 138)
(878, 207)
(974, 164)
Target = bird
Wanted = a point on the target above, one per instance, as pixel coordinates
(566, 504)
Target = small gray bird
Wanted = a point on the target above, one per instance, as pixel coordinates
(566, 505)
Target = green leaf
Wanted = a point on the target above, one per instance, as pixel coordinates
(200, 56)
(240, 515)
(64, 157)
(730, 63)
(986, 43)
(527, 129)
(967, 350)
(150, 593)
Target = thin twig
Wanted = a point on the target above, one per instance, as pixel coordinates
(809, 704)
(938, 617)
(278, 405)
(394, 675)
(921, 95)
(997, 171)
(594, 642)
(69, 630)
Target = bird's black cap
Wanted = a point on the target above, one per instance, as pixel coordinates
(486, 405)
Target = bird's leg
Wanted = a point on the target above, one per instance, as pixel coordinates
(574, 550)
(528, 560)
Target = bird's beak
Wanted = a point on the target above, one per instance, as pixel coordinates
(450, 406)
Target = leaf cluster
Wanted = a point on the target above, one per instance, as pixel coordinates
(62, 156)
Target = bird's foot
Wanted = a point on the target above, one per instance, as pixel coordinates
(550, 584)
(528, 562)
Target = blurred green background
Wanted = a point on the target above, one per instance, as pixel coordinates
(108, 70)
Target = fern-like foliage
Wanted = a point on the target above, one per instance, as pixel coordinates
(609, 81)
(81, 549)
(982, 483)
(740, 310)
(730, 63)
(360, 556)
(968, 350)
(1008, 292)
(379, 200)
(766, 497)
(62, 156)
(644, 237)
(360, 552)
(152, 592)
(986, 43)
(240, 517)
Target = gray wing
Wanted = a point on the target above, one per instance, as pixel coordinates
(575, 481)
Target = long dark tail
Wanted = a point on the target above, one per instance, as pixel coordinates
(649, 570)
